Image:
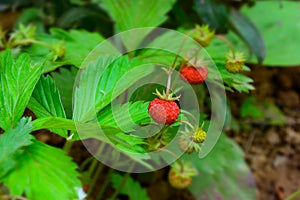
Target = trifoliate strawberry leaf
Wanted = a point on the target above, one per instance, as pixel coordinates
(88, 89)
(131, 14)
(223, 173)
(126, 116)
(11, 144)
(64, 80)
(45, 102)
(17, 78)
(43, 171)
(131, 188)
(102, 82)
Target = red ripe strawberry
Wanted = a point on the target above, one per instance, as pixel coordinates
(193, 75)
(163, 111)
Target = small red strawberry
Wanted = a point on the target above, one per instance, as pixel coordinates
(164, 110)
(193, 75)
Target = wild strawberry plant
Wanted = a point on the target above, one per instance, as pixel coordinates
(141, 100)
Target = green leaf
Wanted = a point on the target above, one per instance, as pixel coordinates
(53, 123)
(32, 16)
(131, 188)
(87, 130)
(223, 173)
(279, 26)
(262, 111)
(239, 82)
(17, 81)
(11, 144)
(125, 116)
(88, 89)
(212, 13)
(248, 32)
(65, 80)
(77, 43)
(131, 14)
(45, 102)
(249, 108)
(43, 171)
(102, 82)
(75, 14)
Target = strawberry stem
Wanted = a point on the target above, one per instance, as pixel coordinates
(187, 123)
(180, 162)
(169, 82)
(105, 184)
(229, 44)
(122, 184)
(189, 114)
(171, 69)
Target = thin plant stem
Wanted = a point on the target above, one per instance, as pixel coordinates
(175, 156)
(169, 81)
(96, 177)
(187, 123)
(161, 132)
(85, 163)
(171, 69)
(189, 114)
(95, 161)
(122, 184)
(294, 195)
(105, 184)
(67, 146)
(4, 197)
(26, 41)
(229, 44)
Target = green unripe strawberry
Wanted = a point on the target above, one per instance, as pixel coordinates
(199, 136)
(203, 35)
(234, 62)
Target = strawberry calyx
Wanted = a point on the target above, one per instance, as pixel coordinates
(165, 96)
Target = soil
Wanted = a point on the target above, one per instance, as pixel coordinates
(273, 152)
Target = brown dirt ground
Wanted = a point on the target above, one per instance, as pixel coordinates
(273, 152)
